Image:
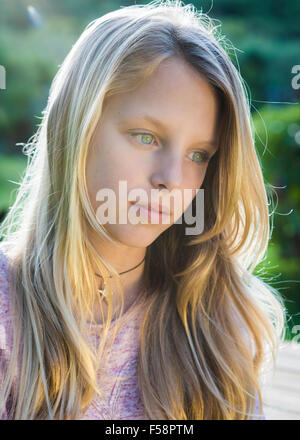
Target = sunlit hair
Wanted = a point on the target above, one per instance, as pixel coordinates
(210, 325)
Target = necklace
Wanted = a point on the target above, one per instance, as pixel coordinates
(103, 291)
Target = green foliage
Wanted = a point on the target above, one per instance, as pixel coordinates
(277, 134)
(11, 170)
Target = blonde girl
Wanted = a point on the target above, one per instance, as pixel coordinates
(139, 320)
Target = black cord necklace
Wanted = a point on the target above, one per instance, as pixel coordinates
(103, 291)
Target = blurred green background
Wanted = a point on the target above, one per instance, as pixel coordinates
(35, 37)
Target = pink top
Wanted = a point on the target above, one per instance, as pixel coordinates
(123, 397)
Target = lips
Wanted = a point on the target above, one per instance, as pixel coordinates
(159, 208)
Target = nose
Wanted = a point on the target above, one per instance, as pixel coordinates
(169, 171)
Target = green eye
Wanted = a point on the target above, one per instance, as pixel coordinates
(146, 137)
(200, 157)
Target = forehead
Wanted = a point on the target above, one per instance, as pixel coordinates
(175, 95)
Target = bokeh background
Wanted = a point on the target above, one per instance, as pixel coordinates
(35, 37)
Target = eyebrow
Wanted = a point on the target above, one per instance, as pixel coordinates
(162, 127)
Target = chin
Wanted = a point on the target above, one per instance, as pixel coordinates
(140, 235)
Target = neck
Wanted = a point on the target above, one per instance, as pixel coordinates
(122, 258)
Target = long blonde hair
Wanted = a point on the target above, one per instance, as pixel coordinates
(210, 326)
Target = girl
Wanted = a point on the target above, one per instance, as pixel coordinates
(103, 318)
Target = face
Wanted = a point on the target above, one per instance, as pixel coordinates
(161, 136)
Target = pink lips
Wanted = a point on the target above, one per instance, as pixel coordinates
(154, 207)
(157, 208)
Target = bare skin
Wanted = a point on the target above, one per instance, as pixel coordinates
(185, 103)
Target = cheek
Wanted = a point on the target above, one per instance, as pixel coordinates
(190, 188)
(199, 177)
(189, 197)
(95, 178)
(101, 169)
(196, 181)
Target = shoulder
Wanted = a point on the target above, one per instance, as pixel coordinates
(6, 326)
(5, 320)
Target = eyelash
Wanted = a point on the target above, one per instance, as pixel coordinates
(204, 154)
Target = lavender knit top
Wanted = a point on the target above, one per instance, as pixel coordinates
(122, 397)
